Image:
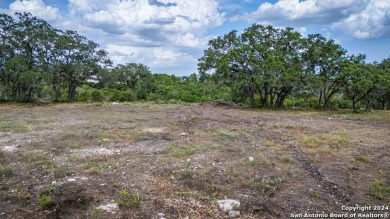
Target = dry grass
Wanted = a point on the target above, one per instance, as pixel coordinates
(182, 158)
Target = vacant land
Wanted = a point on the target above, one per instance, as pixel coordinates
(145, 160)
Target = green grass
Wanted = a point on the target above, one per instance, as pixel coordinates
(364, 158)
(40, 162)
(128, 199)
(181, 151)
(6, 171)
(379, 189)
(229, 134)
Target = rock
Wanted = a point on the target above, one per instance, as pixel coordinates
(161, 215)
(228, 205)
(233, 214)
(110, 207)
(251, 159)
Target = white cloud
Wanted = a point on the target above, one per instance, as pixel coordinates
(159, 59)
(37, 8)
(364, 19)
(156, 21)
(372, 22)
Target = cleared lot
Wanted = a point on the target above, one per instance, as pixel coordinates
(145, 160)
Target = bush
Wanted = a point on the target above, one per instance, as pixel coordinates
(97, 96)
(312, 102)
(128, 199)
(288, 103)
(46, 202)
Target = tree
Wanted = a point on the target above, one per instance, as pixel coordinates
(136, 77)
(360, 80)
(325, 61)
(262, 61)
(77, 58)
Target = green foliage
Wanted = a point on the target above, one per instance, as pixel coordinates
(379, 189)
(266, 185)
(127, 199)
(46, 202)
(97, 96)
(263, 66)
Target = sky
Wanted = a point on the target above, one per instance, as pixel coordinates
(170, 35)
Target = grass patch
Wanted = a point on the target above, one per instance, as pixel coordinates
(40, 162)
(181, 151)
(6, 171)
(379, 189)
(329, 141)
(229, 134)
(3, 158)
(364, 158)
(315, 195)
(126, 135)
(269, 143)
(127, 198)
(266, 185)
(13, 126)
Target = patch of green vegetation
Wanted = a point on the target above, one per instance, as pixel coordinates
(23, 196)
(260, 160)
(75, 156)
(40, 162)
(269, 143)
(333, 141)
(364, 158)
(94, 167)
(3, 158)
(46, 202)
(6, 171)
(379, 189)
(230, 134)
(314, 195)
(180, 151)
(127, 198)
(13, 126)
(126, 135)
(268, 184)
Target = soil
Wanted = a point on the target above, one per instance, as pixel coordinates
(145, 160)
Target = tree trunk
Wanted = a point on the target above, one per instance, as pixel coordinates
(71, 92)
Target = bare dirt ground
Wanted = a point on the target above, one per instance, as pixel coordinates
(143, 160)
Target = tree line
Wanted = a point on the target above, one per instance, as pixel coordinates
(263, 66)
(269, 65)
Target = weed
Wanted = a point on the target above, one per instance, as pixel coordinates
(180, 151)
(13, 126)
(311, 141)
(6, 171)
(3, 158)
(229, 134)
(314, 195)
(24, 197)
(46, 202)
(75, 157)
(269, 143)
(40, 162)
(128, 199)
(364, 158)
(268, 184)
(379, 189)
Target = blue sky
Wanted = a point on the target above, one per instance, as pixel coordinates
(170, 35)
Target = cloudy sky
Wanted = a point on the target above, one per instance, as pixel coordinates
(170, 35)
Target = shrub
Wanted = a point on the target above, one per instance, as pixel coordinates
(97, 96)
(128, 199)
